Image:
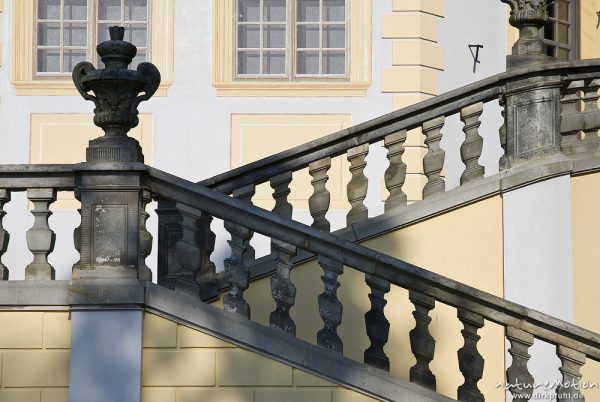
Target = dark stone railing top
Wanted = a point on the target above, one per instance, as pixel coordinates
(410, 117)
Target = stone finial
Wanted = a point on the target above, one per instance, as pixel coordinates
(117, 93)
(528, 16)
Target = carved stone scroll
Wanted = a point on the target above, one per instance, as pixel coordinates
(470, 362)
(40, 238)
(378, 327)
(318, 203)
(572, 361)
(470, 150)
(4, 235)
(395, 174)
(357, 187)
(422, 344)
(330, 308)
(433, 161)
(520, 342)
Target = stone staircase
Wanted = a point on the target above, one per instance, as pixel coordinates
(114, 187)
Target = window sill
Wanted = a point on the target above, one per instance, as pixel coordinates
(62, 88)
(292, 89)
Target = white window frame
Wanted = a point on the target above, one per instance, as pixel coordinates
(292, 50)
(93, 24)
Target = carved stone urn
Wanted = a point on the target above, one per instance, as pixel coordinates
(117, 92)
(528, 16)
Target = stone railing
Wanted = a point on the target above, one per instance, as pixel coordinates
(426, 289)
(543, 117)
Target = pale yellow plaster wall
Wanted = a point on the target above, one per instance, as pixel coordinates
(589, 38)
(63, 138)
(185, 365)
(465, 245)
(34, 356)
(585, 191)
(256, 136)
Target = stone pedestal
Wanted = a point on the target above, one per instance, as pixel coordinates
(532, 120)
(112, 213)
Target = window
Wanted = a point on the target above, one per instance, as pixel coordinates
(50, 36)
(560, 33)
(291, 47)
(68, 30)
(291, 38)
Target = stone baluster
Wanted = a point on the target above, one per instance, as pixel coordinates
(571, 117)
(282, 288)
(145, 247)
(4, 235)
(330, 308)
(518, 373)
(207, 274)
(395, 174)
(572, 361)
(281, 190)
(433, 161)
(40, 238)
(318, 203)
(245, 194)
(357, 187)
(470, 150)
(77, 238)
(378, 327)
(236, 270)
(591, 113)
(503, 163)
(422, 344)
(470, 362)
(186, 263)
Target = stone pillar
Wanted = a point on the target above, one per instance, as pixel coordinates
(112, 183)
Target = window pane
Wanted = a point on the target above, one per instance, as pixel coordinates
(334, 36)
(74, 34)
(103, 34)
(136, 10)
(562, 54)
(308, 36)
(249, 36)
(248, 62)
(563, 10)
(307, 62)
(75, 10)
(139, 58)
(334, 63)
(334, 10)
(48, 9)
(563, 34)
(48, 60)
(274, 10)
(71, 58)
(109, 9)
(274, 36)
(136, 34)
(274, 63)
(248, 10)
(48, 34)
(308, 10)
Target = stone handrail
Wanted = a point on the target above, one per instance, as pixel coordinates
(41, 183)
(522, 324)
(408, 118)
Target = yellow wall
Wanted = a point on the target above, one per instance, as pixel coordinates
(465, 245)
(589, 34)
(34, 356)
(585, 191)
(185, 365)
